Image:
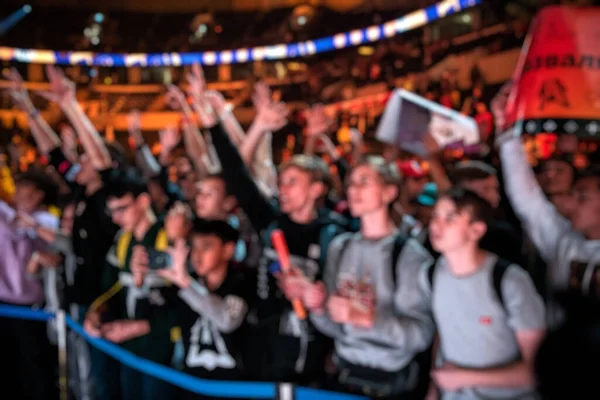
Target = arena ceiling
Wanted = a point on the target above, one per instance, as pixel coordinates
(170, 6)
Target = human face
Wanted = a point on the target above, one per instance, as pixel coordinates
(297, 190)
(556, 177)
(177, 222)
(87, 175)
(187, 182)
(27, 198)
(212, 201)
(67, 218)
(451, 230)
(585, 216)
(367, 192)
(414, 186)
(488, 189)
(208, 253)
(126, 212)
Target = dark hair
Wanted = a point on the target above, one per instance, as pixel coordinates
(41, 181)
(220, 177)
(593, 172)
(565, 159)
(468, 171)
(465, 199)
(123, 182)
(117, 154)
(221, 229)
(115, 150)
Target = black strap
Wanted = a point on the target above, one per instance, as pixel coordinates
(430, 273)
(498, 272)
(399, 242)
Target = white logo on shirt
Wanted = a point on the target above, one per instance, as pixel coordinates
(204, 334)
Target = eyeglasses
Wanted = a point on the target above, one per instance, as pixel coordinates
(118, 210)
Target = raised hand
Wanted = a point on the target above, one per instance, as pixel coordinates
(317, 121)
(261, 96)
(498, 106)
(168, 138)
(134, 126)
(177, 272)
(272, 117)
(196, 82)
(17, 91)
(62, 90)
(176, 98)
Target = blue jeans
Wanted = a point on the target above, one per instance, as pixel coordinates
(136, 385)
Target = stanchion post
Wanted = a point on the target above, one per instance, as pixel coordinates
(285, 391)
(61, 330)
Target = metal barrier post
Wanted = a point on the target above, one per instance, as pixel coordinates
(285, 391)
(61, 330)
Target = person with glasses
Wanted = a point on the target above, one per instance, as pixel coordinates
(134, 310)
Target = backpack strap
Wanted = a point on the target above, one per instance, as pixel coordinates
(326, 235)
(399, 242)
(498, 273)
(161, 243)
(123, 248)
(430, 274)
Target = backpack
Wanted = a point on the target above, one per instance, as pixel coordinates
(498, 271)
(399, 242)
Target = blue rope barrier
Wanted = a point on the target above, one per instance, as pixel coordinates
(316, 394)
(253, 390)
(226, 389)
(20, 312)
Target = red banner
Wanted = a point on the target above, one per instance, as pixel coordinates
(556, 85)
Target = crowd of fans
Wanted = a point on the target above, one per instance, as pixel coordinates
(432, 277)
(404, 282)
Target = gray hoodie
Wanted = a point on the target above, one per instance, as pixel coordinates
(403, 324)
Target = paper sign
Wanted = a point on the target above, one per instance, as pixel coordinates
(408, 117)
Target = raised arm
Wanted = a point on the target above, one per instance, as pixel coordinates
(538, 215)
(195, 145)
(197, 88)
(46, 139)
(259, 210)
(63, 93)
(144, 158)
(270, 116)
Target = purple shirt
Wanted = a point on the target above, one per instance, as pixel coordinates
(16, 248)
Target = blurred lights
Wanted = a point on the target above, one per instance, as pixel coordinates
(26, 8)
(108, 80)
(302, 20)
(366, 50)
(95, 40)
(99, 18)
